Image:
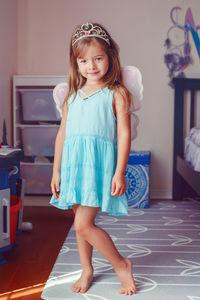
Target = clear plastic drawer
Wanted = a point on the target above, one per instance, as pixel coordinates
(38, 105)
(39, 140)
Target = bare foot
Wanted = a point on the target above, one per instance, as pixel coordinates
(124, 272)
(83, 283)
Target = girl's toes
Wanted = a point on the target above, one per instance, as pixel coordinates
(134, 291)
(75, 289)
(127, 292)
(130, 292)
(83, 290)
(122, 291)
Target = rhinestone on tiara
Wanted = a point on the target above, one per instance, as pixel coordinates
(89, 30)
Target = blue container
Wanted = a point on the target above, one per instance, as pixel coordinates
(4, 178)
(8, 177)
(137, 179)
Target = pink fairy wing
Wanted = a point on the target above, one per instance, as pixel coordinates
(59, 94)
(133, 81)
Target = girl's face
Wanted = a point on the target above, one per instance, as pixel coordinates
(93, 63)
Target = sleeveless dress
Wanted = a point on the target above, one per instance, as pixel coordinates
(89, 155)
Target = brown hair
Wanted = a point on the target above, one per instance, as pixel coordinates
(113, 78)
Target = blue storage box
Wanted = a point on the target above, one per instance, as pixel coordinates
(4, 178)
(137, 179)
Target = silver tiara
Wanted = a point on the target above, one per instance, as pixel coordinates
(89, 30)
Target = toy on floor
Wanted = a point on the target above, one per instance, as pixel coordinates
(26, 226)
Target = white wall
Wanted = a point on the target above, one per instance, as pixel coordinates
(8, 62)
(139, 27)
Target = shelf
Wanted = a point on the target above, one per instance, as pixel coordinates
(38, 80)
(36, 164)
(34, 89)
(35, 127)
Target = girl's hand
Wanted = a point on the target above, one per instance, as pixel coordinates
(55, 181)
(118, 187)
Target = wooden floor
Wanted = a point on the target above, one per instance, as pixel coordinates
(30, 262)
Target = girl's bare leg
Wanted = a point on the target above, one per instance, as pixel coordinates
(98, 238)
(85, 253)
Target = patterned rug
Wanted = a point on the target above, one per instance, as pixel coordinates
(163, 242)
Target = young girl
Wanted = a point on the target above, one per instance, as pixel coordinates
(92, 148)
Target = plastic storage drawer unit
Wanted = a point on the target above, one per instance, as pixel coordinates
(38, 177)
(38, 105)
(39, 140)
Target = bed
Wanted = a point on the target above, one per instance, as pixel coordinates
(186, 181)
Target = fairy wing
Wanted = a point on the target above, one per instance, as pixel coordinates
(133, 82)
(59, 94)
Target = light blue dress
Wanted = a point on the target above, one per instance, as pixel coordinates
(89, 155)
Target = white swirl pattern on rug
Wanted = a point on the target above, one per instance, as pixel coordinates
(162, 241)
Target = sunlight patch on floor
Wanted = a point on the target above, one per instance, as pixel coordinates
(34, 289)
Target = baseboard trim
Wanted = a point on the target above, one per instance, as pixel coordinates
(37, 200)
(160, 194)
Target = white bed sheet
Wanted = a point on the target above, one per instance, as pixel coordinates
(195, 135)
(192, 154)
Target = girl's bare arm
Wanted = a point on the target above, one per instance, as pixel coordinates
(59, 142)
(123, 144)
